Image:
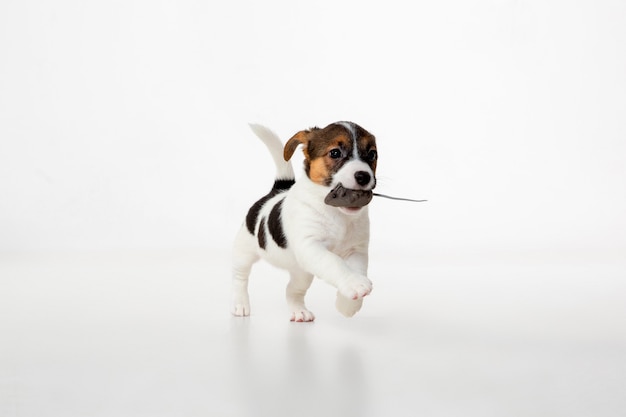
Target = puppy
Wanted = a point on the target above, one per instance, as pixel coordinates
(297, 227)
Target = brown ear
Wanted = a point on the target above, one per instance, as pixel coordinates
(300, 138)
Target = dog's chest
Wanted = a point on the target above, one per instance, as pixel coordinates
(341, 236)
(338, 233)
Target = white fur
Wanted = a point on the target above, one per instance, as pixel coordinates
(284, 169)
(322, 241)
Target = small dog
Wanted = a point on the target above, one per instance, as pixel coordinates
(317, 226)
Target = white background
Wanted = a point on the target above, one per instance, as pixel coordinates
(126, 166)
(124, 125)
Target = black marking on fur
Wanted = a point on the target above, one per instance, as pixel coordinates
(275, 225)
(253, 214)
(283, 185)
(261, 234)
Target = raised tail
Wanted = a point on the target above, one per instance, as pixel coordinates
(284, 170)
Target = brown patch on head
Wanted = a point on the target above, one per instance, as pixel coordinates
(318, 171)
(325, 153)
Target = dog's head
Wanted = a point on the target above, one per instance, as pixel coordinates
(342, 155)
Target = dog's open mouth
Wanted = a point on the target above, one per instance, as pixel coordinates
(348, 198)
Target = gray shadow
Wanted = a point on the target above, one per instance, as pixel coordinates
(295, 375)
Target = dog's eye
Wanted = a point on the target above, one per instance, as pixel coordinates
(372, 155)
(335, 153)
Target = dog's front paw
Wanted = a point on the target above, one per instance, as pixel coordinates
(241, 306)
(347, 306)
(355, 287)
(302, 315)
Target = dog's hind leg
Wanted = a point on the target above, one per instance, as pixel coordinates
(299, 283)
(244, 256)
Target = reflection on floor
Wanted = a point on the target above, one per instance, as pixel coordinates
(150, 334)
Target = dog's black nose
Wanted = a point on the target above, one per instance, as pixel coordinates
(362, 177)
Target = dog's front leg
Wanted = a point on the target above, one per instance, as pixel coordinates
(315, 258)
(347, 306)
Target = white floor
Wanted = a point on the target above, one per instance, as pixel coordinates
(149, 334)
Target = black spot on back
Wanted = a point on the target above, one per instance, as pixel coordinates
(283, 185)
(261, 235)
(275, 225)
(253, 214)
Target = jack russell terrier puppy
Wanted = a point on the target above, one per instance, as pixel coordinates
(317, 226)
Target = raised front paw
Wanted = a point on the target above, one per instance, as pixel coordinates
(355, 287)
(347, 306)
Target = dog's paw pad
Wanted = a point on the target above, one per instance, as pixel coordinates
(302, 315)
(347, 307)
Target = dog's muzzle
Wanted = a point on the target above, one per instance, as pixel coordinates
(345, 197)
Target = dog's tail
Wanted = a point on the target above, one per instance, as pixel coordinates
(284, 170)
